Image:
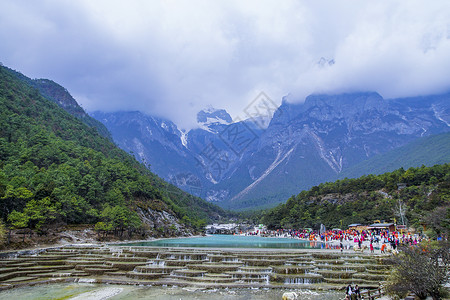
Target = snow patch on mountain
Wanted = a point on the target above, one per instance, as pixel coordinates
(438, 115)
(140, 149)
(279, 159)
(327, 156)
(183, 138)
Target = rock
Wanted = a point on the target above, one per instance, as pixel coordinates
(290, 296)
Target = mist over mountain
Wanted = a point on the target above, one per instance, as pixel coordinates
(241, 165)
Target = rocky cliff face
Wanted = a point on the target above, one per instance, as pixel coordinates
(240, 165)
(163, 223)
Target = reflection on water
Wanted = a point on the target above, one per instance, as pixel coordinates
(85, 291)
(233, 241)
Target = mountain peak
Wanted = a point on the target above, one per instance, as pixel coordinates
(350, 102)
(213, 116)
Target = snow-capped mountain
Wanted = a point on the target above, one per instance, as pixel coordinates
(242, 164)
(211, 119)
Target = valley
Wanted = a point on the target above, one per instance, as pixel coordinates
(240, 165)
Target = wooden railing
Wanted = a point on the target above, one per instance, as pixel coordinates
(378, 293)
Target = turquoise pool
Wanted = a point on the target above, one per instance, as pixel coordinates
(232, 241)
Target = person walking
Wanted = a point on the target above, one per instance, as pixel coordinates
(348, 290)
(357, 292)
(371, 248)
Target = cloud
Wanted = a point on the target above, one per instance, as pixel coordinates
(172, 58)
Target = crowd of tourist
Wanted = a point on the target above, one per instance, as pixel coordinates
(342, 239)
(337, 239)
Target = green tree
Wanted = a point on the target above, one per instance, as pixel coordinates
(18, 219)
(2, 234)
(40, 212)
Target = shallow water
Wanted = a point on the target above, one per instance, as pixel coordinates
(233, 241)
(85, 291)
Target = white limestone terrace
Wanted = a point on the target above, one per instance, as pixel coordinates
(194, 267)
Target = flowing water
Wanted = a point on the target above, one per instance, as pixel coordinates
(79, 291)
(245, 273)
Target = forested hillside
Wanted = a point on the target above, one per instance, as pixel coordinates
(59, 95)
(54, 169)
(422, 193)
(428, 151)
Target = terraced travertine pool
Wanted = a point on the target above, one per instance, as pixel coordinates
(86, 291)
(191, 272)
(233, 241)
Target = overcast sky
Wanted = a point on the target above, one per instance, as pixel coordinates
(173, 58)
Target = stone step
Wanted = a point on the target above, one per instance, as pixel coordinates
(147, 254)
(8, 270)
(6, 276)
(156, 269)
(17, 264)
(262, 280)
(85, 262)
(94, 253)
(20, 279)
(189, 273)
(54, 274)
(292, 269)
(183, 256)
(98, 271)
(326, 256)
(377, 267)
(379, 272)
(368, 276)
(128, 259)
(23, 273)
(335, 274)
(52, 262)
(62, 273)
(266, 256)
(321, 262)
(239, 275)
(215, 268)
(367, 261)
(117, 273)
(182, 263)
(37, 258)
(57, 252)
(256, 269)
(223, 258)
(345, 268)
(263, 262)
(296, 279)
(215, 275)
(300, 262)
(47, 267)
(205, 279)
(88, 258)
(352, 281)
(84, 266)
(146, 276)
(125, 266)
(79, 247)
